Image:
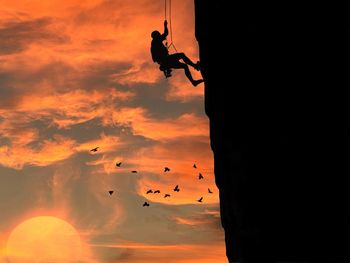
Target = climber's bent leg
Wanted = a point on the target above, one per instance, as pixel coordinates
(188, 74)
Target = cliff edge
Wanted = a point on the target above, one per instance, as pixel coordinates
(269, 149)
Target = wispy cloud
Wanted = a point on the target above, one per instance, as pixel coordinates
(16, 36)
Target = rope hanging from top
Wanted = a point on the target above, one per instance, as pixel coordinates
(170, 24)
(165, 9)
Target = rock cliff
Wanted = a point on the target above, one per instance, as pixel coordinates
(265, 131)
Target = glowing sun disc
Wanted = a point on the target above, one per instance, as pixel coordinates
(44, 239)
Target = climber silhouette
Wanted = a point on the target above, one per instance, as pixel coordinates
(160, 54)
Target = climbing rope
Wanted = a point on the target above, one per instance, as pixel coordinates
(165, 9)
(170, 24)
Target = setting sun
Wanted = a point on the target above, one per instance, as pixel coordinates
(44, 239)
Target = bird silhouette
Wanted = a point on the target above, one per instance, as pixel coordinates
(134, 172)
(157, 192)
(145, 204)
(110, 192)
(200, 200)
(209, 191)
(94, 149)
(200, 176)
(149, 191)
(166, 195)
(176, 189)
(166, 169)
(118, 164)
(195, 166)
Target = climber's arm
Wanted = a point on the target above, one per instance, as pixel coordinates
(166, 32)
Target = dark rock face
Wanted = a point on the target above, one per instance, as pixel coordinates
(265, 132)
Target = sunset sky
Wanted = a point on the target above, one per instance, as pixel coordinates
(75, 75)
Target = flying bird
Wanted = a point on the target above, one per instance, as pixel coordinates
(94, 149)
(145, 204)
(157, 192)
(200, 176)
(134, 172)
(200, 200)
(195, 166)
(166, 195)
(118, 164)
(176, 189)
(166, 169)
(110, 192)
(149, 191)
(209, 191)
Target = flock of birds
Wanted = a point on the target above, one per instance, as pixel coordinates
(166, 169)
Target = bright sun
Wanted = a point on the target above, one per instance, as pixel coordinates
(44, 239)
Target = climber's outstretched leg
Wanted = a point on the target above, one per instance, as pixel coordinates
(188, 74)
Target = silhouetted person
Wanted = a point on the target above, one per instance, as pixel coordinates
(160, 54)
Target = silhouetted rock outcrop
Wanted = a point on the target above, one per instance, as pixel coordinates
(265, 130)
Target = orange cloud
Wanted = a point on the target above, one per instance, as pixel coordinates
(192, 222)
(50, 151)
(74, 107)
(105, 143)
(142, 124)
(20, 135)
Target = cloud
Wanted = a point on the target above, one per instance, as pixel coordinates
(16, 36)
(191, 222)
(139, 73)
(142, 124)
(49, 152)
(65, 110)
(205, 219)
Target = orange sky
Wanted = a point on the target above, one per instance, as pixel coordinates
(75, 75)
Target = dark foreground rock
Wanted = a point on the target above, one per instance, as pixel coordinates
(274, 162)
